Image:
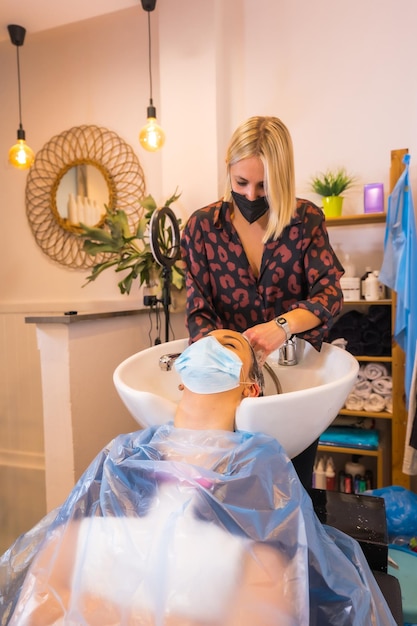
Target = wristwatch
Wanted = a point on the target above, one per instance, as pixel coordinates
(282, 322)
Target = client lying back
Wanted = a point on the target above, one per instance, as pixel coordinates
(191, 524)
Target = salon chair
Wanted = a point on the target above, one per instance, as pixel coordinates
(363, 518)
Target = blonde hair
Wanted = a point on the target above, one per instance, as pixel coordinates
(269, 139)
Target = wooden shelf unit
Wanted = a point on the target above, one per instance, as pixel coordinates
(390, 451)
(357, 219)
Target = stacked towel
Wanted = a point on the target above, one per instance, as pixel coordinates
(354, 402)
(374, 402)
(382, 386)
(372, 391)
(363, 388)
(366, 334)
(372, 371)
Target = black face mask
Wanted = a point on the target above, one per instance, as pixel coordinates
(251, 210)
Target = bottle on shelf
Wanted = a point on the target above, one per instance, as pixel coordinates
(348, 483)
(369, 479)
(319, 475)
(372, 286)
(350, 283)
(368, 270)
(353, 467)
(330, 475)
(349, 267)
(381, 287)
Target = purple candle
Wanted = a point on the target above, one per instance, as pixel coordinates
(373, 198)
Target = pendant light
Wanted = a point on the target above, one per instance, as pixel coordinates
(20, 155)
(151, 136)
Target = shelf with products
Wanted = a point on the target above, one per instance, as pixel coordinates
(389, 455)
(379, 459)
(369, 359)
(377, 468)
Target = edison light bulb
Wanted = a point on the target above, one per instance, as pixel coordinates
(151, 137)
(21, 155)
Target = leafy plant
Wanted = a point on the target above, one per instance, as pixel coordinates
(332, 183)
(128, 251)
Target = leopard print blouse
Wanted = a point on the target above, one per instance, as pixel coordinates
(299, 269)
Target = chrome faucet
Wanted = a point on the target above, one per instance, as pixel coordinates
(166, 361)
(287, 354)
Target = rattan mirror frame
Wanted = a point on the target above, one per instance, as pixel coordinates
(93, 145)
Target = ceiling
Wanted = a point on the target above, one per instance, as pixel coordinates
(38, 15)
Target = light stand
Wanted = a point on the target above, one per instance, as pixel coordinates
(165, 257)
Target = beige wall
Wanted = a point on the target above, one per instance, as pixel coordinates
(335, 73)
(339, 74)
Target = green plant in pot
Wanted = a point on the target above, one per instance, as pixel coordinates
(129, 251)
(331, 184)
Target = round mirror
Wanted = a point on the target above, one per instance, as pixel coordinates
(75, 176)
(82, 195)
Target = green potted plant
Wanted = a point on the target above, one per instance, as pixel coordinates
(130, 251)
(330, 185)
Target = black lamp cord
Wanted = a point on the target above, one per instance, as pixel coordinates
(150, 58)
(18, 87)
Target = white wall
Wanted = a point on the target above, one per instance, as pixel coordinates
(339, 74)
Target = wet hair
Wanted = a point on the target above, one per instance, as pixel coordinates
(269, 139)
(255, 373)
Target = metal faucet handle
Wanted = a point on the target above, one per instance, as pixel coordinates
(166, 361)
(288, 352)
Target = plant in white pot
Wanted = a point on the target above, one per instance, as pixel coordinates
(330, 185)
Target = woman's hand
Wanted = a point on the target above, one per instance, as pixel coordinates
(265, 338)
(269, 336)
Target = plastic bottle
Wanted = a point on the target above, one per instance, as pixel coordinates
(348, 483)
(341, 480)
(372, 287)
(320, 475)
(353, 467)
(330, 475)
(381, 287)
(349, 267)
(369, 479)
(368, 270)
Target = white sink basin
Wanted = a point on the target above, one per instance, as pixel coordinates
(313, 392)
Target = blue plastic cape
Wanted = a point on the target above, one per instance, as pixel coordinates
(183, 527)
(399, 266)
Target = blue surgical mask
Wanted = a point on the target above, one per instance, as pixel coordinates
(208, 367)
(251, 210)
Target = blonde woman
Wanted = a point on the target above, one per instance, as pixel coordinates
(259, 261)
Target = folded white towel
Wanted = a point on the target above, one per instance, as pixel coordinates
(361, 373)
(382, 385)
(363, 388)
(354, 402)
(375, 370)
(340, 343)
(375, 402)
(388, 404)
